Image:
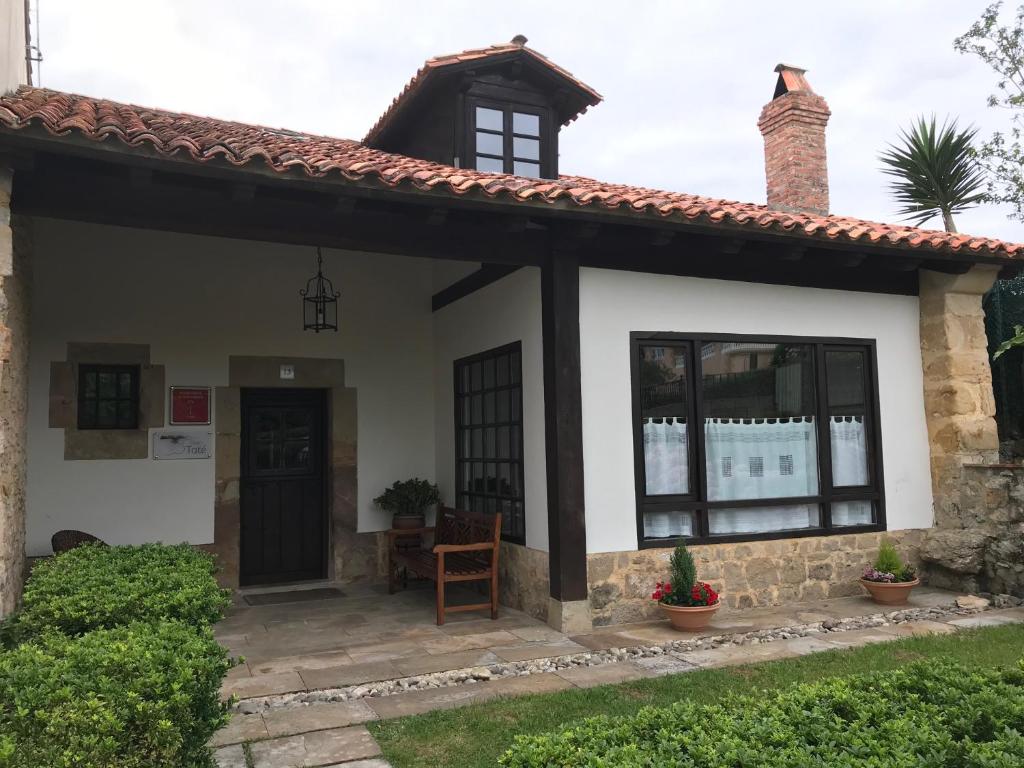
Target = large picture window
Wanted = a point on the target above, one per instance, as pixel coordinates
(489, 437)
(741, 437)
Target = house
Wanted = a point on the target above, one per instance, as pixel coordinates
(612, 368)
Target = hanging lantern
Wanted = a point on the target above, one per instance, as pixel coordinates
(319, 301)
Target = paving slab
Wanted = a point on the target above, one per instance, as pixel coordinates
(367, 653)
(604, 674)
(349, 674)
(856, 638)
(445, 662)
(304, 661)
(373, 763)
(667, 664)
(240, 728)
(418, 702)
(538, 634)
(454, 643)
(241, 670)
(263, 685)
(529, 651)
(734, 655)
(467, 624)
(316, 717)
(230, 757)
(922, 627)
(319, 748)
(987, 619)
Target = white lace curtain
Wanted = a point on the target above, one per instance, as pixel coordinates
(754, 459)
(666, 457)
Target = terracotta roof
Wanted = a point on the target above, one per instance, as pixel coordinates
(440, 63)
(205, 139)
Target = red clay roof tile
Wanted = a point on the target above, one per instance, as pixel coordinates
(202, 139)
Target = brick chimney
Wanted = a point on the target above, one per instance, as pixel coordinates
(793, 125)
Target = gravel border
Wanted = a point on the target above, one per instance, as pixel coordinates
(499, 670)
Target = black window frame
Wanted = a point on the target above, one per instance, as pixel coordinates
(696, 501)
(83, 402)
(515, 527)
(508, 136)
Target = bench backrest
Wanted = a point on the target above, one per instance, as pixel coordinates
(457, 526)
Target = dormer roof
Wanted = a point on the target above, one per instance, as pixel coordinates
(577, 96)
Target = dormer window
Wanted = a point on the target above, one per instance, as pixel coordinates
(507, 139)
(497, 110)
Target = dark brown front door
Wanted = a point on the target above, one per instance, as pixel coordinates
(283, 535)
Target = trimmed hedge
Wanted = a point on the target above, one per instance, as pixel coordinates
(95, 587)
(139, 696)
(932, 714)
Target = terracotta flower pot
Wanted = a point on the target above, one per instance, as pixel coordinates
(687, 618)
(885, 593)
(408, 521)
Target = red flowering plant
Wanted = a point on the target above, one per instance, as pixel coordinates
(683, 588)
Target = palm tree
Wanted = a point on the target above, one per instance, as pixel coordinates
(936, 172)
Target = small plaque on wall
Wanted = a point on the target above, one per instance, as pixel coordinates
(170, 444)
(190, 405)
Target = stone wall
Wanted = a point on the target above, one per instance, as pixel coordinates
(15, 249)
(977, 543)
(980, 547)
(749, 574)
(523, 579)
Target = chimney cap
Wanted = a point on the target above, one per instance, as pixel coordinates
(520, 40)
(790, 79)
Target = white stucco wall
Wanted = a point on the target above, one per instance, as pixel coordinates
(503, 312)
(195, 301)
(13, 69)
(612, 304)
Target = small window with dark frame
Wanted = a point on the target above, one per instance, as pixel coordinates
(507, 140)
(779, 437)
(108, 396)
(489, 437)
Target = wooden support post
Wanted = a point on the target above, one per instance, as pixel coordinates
(563, 417)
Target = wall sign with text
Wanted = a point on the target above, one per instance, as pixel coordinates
(177, 444)
(190, 405)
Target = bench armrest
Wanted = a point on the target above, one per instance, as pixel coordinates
(439, 548)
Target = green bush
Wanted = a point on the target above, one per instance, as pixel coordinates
(139, 696)
(929, 715)
(94, 587)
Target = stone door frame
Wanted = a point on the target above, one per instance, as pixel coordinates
(352, 556)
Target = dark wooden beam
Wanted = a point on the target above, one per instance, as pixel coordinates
(563, 426)
(662, 237)
(471, 283)
(243, 193)
(899, 265)
(271, 216)
(730, 246)
(792, 252)
(437, 217)
(844, 259)
(140, 178)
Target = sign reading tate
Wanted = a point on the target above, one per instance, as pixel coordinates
(190, 405)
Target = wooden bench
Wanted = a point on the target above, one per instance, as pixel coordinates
(465, 548)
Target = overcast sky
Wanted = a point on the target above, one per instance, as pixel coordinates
(683, 82)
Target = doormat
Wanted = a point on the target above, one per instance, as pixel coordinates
(296, 596)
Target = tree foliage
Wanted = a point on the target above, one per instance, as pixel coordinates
(1001, 47)
(935, 171)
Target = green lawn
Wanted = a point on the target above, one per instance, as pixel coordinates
(476, 736)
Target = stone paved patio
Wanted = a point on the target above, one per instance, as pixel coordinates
(369, 636)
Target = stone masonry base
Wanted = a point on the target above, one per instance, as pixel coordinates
(755, 573)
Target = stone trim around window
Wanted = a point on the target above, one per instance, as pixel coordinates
(97, 444)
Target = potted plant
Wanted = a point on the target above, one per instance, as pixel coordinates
(889, 581)
(408, 501)
(689, 604)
